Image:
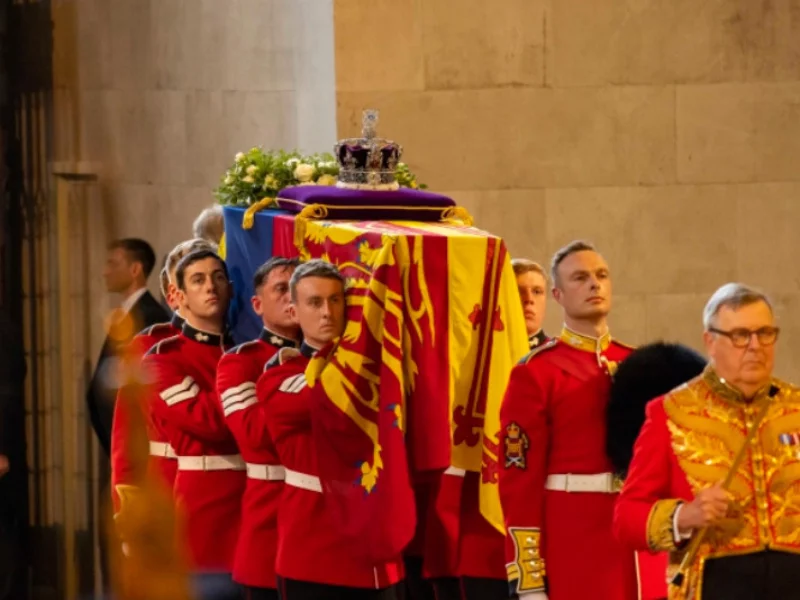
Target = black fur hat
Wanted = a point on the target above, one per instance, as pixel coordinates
(650, 371)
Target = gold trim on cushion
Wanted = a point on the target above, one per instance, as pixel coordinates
(318, 210)
(528, 566)
(660, 532)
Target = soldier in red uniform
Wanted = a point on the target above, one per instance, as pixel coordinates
(479, 568)
(556, 486)
(162, 461)
(532, 285)
(688, 447)
(315, 558)
(237, 374)
(185, 406)
(650, 371)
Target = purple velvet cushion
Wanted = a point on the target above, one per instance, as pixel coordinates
(403, 204)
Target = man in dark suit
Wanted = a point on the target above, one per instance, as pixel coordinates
(128, 265)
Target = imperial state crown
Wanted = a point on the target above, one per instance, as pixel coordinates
(368, 162)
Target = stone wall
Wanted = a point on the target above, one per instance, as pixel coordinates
(665, 131)
(157, 96)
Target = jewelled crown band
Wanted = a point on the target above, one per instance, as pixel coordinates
(368, 162)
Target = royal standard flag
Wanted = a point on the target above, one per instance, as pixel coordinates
(486, 338)
(415, 383)
(434, 327)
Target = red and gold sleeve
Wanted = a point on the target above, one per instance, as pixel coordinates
(180, 403)
(122, 465)
(644, 514)
(523, 439)
(237, 379)
(126, 407)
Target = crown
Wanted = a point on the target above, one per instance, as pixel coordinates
(368, 162)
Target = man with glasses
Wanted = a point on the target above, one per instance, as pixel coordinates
(719, 459)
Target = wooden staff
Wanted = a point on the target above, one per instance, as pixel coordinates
(697, 540)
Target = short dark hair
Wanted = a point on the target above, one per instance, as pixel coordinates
(276, 262)
(192, 258)
(314, 268)
(568, 250)
(138, 251)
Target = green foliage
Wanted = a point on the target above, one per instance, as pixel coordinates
(257, 174)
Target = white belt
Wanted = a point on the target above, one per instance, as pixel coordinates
(231, 462)
(265, 472)
(603, 483)
(162, 450)
(455, 472)
(302, 481)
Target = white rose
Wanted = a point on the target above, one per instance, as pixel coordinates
(251, 170)
(292, 162)
(248, 179)
(239, 157)
(304, 172)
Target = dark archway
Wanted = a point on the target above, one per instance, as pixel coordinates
(25, 133)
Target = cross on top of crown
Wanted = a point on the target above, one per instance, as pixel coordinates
(369, 123)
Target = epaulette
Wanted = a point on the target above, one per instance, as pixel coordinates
(551, 343)
(623, 344)
(159, 347)
(153, 328)
(281, 357)
(240, 347)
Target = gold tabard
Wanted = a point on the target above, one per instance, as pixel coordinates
(708, 422)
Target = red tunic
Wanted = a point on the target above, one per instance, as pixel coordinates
(688, 442)
(162, 468)
(185, 406)
(553, 423)
(123, 469)
(311, 545)
(237, 374)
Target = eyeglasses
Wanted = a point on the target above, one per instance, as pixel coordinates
(740, 338)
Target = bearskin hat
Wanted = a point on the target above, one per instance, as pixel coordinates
(650, 371)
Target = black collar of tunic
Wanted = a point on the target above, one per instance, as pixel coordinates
(537, 339)
(177, 321)
(306, 350)
(277, 340)
(200, 336)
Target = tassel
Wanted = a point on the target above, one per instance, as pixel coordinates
(458, 214)
(250, 213)
(221, 247)
(312, 211)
